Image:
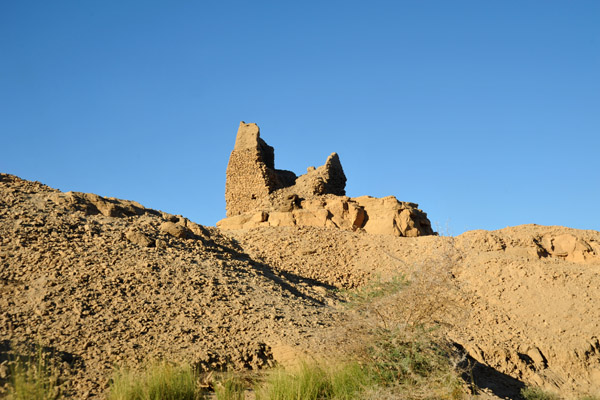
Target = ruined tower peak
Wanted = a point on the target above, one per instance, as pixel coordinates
(248, 136)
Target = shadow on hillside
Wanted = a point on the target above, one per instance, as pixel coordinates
(285, 279)
(484, 377)
(29, 354)
(29, 351)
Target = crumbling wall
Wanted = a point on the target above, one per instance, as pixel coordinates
(258, 194)
(251, 173)
(326, 179)
(253, 182)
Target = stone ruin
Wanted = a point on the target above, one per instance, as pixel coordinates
(257, 194)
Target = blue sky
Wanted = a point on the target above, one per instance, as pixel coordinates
(486, 113)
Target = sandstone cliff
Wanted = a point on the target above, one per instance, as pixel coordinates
(257, 195)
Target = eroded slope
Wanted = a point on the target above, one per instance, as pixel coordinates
(530, 294)
(103, 281)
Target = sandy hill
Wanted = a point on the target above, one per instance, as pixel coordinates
(530, 294)
(102, 281)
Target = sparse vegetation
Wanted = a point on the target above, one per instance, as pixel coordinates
(536, 393)
(399, 328)
(416, 364)
(399, 351)
(33, 378)
(374, 290)
(159, 381)
(310, 381)
(229, 388)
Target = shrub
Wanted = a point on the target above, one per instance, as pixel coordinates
(398, 330)
(414, 364)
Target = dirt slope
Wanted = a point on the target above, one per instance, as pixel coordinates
(530, 293)
(535, 304)
(102, 281)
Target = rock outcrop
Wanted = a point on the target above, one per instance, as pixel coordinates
(257, 195)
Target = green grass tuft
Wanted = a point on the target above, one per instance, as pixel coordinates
(229, 388)
(159, 381)
(312, 381)
(34, 379)
(536, 393)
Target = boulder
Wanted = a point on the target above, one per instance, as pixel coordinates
(139, 238)
(389, 216)
(173, 229)
(567, 246)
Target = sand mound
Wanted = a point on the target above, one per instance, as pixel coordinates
(102, 281)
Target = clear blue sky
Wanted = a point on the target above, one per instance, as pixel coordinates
(486, 113)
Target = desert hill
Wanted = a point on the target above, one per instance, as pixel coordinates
(530, 294)
(103, 281)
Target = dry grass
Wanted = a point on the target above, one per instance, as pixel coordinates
(33, 378)
(313, 381)
(398, 330)
(158, 381)
(229, 387)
